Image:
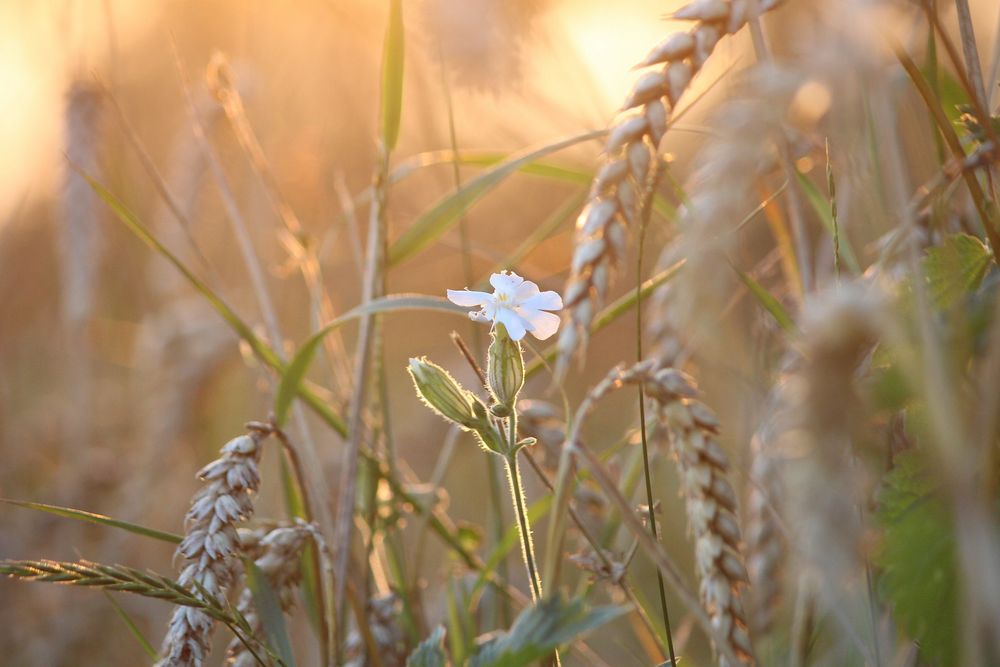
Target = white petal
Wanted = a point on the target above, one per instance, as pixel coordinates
(540, 324)
(506, 283)
(544, 301)
(469, 298)
(525, 290)
(513, 322)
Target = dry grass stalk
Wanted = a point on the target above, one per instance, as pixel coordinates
(709, 498)
(277, 553)
(211, 543)
(617, 191)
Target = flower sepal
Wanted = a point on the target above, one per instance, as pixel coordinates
(504, 368)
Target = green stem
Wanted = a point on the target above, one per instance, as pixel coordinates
(657, 174)
(524, 528)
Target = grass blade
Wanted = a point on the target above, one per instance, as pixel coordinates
(821, 207)
(767, 300)
(133, 628)
(291, 379)
(90, 517)
(443, 215)
(392, 75)
(272, 618)
(611, 313)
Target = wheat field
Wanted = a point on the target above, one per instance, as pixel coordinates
(384, 333)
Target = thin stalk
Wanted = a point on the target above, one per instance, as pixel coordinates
(362, 370)
(655, 179)
(524, 528)
(494, 512)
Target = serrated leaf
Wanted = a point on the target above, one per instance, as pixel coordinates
(955, 268)
(918, 560)
(392, 75)
(90, 517)
(430, 652)
(446, 213)
(539, 630)
(272, 618)
(291, 379)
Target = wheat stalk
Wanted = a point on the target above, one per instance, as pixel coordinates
(616, 194)
(211, 543)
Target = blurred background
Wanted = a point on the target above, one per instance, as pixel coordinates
(118, 382)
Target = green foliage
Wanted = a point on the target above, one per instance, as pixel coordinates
(291, 378)
(430, 652)
(446, 213)
(768, 301)
(955, 268)
(90, 517)
(540, 630)
(272, 618)
(392, 76)
(919, 570)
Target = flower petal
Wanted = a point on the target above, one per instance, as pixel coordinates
(543, 301)
(513, 322)
(469, 298)
(525, 290)
(506, 282)
(541, 324)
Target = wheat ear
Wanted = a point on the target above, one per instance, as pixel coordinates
(211, 543)
(709, 498)
(616, 193)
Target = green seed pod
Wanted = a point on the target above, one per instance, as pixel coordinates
(444, 395)
(504, 367)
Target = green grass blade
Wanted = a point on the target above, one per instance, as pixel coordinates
(612, 312)
(291, 379)
(767, 300)
(132, 627)
(100, 519)
(272, 618)
(558, 218)
(445, 214)
(392, 75)
(259, 347)
(821, 207)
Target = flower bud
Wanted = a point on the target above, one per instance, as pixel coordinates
(504, 367)
(444, 395)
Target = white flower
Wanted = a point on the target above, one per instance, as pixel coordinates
(516, 303)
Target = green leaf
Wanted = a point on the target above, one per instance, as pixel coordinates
(272, 618)
(430, 652)
(821, 207)
(132, 627)
(90, 517)
(446, 213)
(769, 302)
(955, 268)
(539, 630)
(296, 370)
(392, 75)
(918, 560)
